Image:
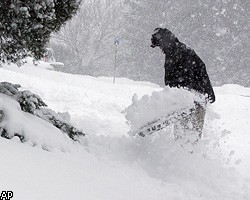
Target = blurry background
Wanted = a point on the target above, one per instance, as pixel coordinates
(217, 30)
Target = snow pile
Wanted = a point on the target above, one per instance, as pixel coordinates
(29, 128)
(200, 175)
(159, 104)
(94, 104)
(234, 89)
(113, 165)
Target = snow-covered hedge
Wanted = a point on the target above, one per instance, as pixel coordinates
(31, 103)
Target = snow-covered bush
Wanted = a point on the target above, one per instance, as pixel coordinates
(21, 126)
(33, 104)
(28, 101)
(26, 26)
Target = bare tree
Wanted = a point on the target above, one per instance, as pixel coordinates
(217, 30)
(85, 44)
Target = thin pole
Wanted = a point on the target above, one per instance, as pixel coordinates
(116, 50)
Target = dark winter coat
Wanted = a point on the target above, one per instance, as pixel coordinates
(183, 67)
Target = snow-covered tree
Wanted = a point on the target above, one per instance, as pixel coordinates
(26, 26)
(139, 61)
(25, 29)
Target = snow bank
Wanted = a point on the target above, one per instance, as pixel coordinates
(30, 128)
(201, 175)
(126, 81)
(159, 104)
(119, 167)
(233, 89)
(94, 104)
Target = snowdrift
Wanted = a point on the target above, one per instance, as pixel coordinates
(110, 164)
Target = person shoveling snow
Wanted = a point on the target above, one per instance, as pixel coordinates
(183, 69)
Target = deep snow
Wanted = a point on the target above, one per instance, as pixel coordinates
(160, 104)
(109, 164)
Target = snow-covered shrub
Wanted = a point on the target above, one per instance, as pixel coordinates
(3, 126)
(9, 88)
(28, 101)
(22, 126)
(26, 26)
(33, 104)
(58, 121)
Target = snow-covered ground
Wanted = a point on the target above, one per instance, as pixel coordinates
(111, 165)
